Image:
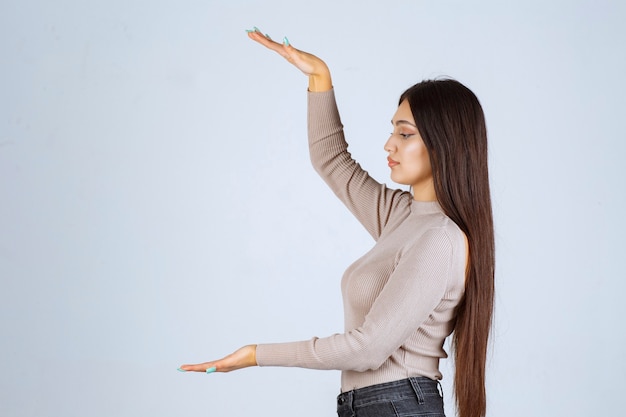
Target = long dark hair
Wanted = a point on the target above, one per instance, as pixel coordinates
(451, 122)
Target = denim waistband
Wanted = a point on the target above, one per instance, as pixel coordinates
(419, 387)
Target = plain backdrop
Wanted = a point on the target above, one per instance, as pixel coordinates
(158, 207)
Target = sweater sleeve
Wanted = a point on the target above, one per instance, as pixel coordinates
(369, 201)
(413, 291)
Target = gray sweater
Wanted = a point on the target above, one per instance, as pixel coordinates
(400, 297)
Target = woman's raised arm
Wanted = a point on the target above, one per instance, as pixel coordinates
(369, 201)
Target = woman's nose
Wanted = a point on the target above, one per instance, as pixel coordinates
(388, 145)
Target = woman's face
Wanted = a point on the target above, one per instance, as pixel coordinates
(408, 156)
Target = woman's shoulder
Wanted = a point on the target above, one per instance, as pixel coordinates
(449, 229)
(435, 226)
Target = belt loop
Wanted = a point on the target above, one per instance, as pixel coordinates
(418, 391)
(440, 389)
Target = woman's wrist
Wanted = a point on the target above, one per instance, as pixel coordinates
(253, 356)
(320, 81)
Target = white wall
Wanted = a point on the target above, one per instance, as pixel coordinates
(158, 206)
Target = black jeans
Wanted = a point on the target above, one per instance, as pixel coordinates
(417, 396)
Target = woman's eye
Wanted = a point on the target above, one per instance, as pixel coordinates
(403, 135)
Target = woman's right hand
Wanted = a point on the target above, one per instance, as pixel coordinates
(309, 64)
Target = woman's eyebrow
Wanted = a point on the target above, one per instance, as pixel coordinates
(401, 122)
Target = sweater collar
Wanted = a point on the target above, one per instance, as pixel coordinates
(425, 207)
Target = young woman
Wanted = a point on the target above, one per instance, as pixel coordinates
(431, 271)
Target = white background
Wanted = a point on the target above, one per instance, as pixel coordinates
(157, 204)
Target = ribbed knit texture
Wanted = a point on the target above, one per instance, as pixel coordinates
(399, 298)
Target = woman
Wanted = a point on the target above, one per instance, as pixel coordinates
(431, 270)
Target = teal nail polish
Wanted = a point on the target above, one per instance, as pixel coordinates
(249, 30)
(256, 29)
(286, 41)
(181, 370)
(211, 370)
(268, 36)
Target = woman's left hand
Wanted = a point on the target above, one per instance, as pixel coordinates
(241, 358)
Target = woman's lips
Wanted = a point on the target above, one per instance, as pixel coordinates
(391, 162)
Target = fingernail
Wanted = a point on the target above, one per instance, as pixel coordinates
(249, 30)
(286, 41)
(267, 36)
(181, 370)
(256, 29)
(211, 370)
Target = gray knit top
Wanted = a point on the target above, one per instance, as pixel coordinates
(400, 297)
